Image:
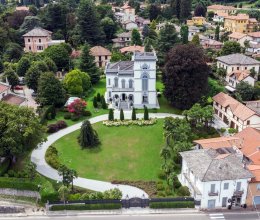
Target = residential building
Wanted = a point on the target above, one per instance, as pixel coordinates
(221, 9)
(129, 25)
(6, 95)
(101, 54)
(238, 76)
(193, 30)
(240, 23)
(212, 44)
(237, 62)
(239, 37)
(132, 49)
(141, 21)
(220, 17)
(235, 114)
(38, 39)
(132, 83)
(122, 40)
(196, 21)
(126, 13)
(254, 43)
(218, 182)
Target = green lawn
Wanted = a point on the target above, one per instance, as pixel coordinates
(126, 153)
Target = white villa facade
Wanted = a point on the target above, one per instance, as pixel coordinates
(132, 83)
(220, 181)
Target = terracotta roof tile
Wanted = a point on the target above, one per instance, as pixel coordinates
(240, 74)
(221, 7)
(3, 87)
(13, 99)
(99, 51)
(38, 32)
(219, 142)
(132, 49)
(237, 35)
(254, 34)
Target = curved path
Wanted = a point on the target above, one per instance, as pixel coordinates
(38, 157)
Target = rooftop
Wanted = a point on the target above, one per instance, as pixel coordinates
(254, 34)
(219, 142)
(38, 32)
(3, 87)
(240, 74)
(121, 65)
(99, 51)
(238, 17)
(215, 166)
(237, 59)
(135, 48)
(221, 7)
(237, 108)
(13, 99)
(237, 35)
(125, 34)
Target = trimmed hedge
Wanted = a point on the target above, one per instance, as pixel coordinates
(177, 204)
(51, 157)
(17, 183)
(86, 207)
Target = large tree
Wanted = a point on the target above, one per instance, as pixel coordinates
(89, 26)
(245, 91)
(184, 34)
(185, 76)
(109, 28)
(50, 91)
(154, 11)
(23, 66)
(136, 38)
(200, 10)
(185, 11)
(12, 77)
(230, 47)
(87, 64)
(88, 137)
(20, 131)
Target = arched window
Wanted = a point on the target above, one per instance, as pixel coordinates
(130, 84)
(116, 82)
(145, 83)
(123, 83)
(145, 66)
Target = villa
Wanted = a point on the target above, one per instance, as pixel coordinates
(222, 9)
(132, 83)
(101, 54)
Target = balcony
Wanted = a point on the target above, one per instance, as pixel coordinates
(213, 193)
(238, 192)
(117, 89)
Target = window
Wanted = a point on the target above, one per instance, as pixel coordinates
(106, 57)
(232, 68)
(123, 83)
(29, 40)
(238, 187)
(109, 94)
(40, 40)
(248, 122)
(39, 47)
(245, 68)
(100, 58)
(144, 83)
(212, 188)
(30, 48)
(109, 82)
(238, 68)
(258, 186)
(130, 84)
(226, 185)
(116, 82)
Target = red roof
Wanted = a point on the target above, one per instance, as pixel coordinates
(3, 87)
(13, 99)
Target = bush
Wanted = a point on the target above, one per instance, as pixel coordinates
(183, 191)
(61, 124)
(95, 105)
(111, 115)
(222, 130)
(146, 113)
(73, 197)
(4, 166)
(49, 196)
(75, 117)
(17, 183)
(117, 123)
(177, 204)
(67, 116)
(232, 130)
(160, 187)
(122, 117)
(162, 175)
(52, 128)
(86, 113)
(51, 157)
(87, 207)
(98, 97)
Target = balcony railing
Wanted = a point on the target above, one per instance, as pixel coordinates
(117, 89)
(213, 193)
(238, 192)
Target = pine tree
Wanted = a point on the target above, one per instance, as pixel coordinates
(133, 114)
(98, 97)
(185, 11)
(146, 113)
(88, 137)
(178, 8)
(122, 117)
(145, 31)
(184, 34)
(136, 38)
(103, 102)
(111, 115)
(95, 102)
(87, 64)
(217, 33)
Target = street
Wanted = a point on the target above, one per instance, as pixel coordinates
(181, 216)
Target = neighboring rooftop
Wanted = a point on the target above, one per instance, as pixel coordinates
(240, 74)
(219, 142)
(215, 166)
(238, 17)
(38, 32)
(3, 87)
(254, 34)
(99, 51)
(237, 35)
(125, 34)
(254, 105)
(237, 108)
(13, 99)
(237, 59)
(135, 48)
(221, 7)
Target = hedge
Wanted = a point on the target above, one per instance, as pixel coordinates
(49, 196)
(17, 183)
(86, 207)
(177, 204)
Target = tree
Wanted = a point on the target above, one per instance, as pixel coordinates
(185, 64)
(63, 193)
(230, 47)
(109, 28)
(88, 137)
(87, 64)
(50, 90)
(23, 66)
(154, 11)
(122, 117)
(31, 170)
(211, 15)
(77, 107)
(98, 97)
(20, 131)
(103, 102)
(29, 23)
(200, 10)
(245, 91)
(111, 115)
(11, 77)
(146, 113)
(77, 82)
(185, 11)
(89, 26)
(51, 64)
(133, 114)
(95, 102)
(136, 38)
(13, 52)
(145, 31)
(60, 56)
(217, 33)
(184, 34)
(196, 40)
(177, 7)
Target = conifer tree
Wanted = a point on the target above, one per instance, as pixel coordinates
(133, 114)
(217, 33)
(146, 113)
(95, 102)
(136, 38)
(111, 115)
(122, 117)
(103, 102)
(88, 137)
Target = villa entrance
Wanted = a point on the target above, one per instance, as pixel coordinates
(123, 97)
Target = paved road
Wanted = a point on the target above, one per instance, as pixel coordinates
(38, 157)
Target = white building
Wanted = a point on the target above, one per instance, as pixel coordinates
(235, 114)
(132, 83)
(237, 62)
(217, 182)
(254, 43)
(220, 17)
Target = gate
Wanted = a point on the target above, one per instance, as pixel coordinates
(135, 202)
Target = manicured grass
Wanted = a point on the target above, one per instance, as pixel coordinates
(126, 153)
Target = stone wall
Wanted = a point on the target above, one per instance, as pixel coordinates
(15, 192)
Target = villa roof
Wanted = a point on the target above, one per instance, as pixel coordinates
(215, 166)
(132, 49)
(254, 34)
(13, 99)
(22, 8)
(237, 108)
(238, 17)
(237, 35)
(121, 65)
(222, 14)
(237, 59)
(125, 34)
(38, 32)
(218, 142)
(99, 51)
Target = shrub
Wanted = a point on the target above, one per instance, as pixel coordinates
(232, 130)
(49, 196)
(52, 128)
(77, 107)
(4, 166)
(111, 115)
(146, 113)
(61, 124)
(222, 130)
(87, 207)
(162, 175)
(103, 103)
(17, 183)
(133, 114)
(160, 187)
(122, 117)
(67, 116)
(75, 117)
(177, 204)
(98, 97)
(183, 191)
(75, 196)
(95, 104)
(51, 157)
(86, 113)
(130, 122)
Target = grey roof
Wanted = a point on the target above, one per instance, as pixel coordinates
(237, 58)
(209, 165)
(121, 65)
(38, 32)
(145, 56)
(125, 34)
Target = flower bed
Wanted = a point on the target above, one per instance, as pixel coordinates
(139, 122)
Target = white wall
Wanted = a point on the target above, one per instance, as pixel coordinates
(231, 68)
